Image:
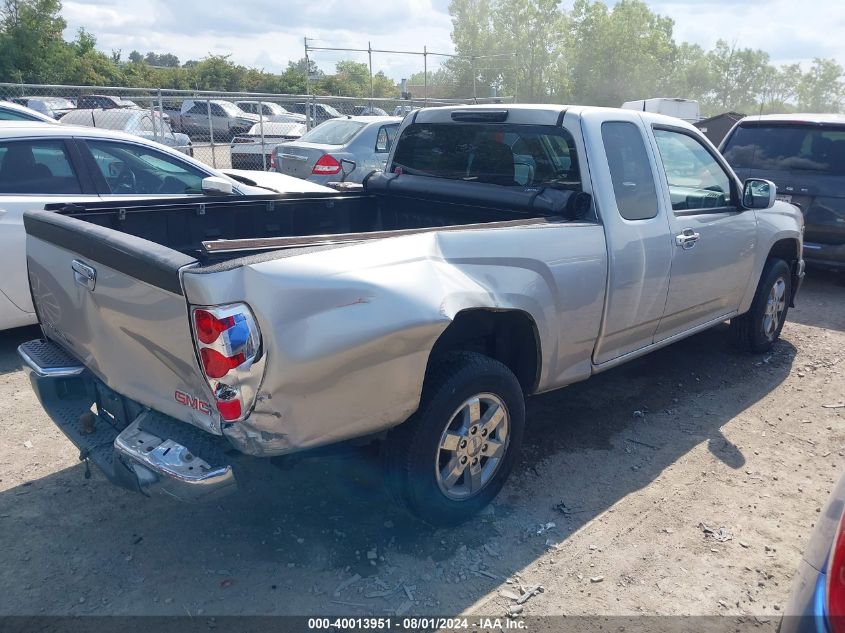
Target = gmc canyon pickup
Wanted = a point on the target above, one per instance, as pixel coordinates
(506, 251)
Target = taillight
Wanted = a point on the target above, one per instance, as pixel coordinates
(272, 162)
(327, 164)
(836, 581)
(229, 346)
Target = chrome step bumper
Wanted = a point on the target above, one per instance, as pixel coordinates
(152, 454)
(170, 467)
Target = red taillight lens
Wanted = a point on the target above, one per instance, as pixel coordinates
(229, 348)
(272, 162)
(209, 327)
(327, 164)
(217, 365)
(229, 409)
(836, 581)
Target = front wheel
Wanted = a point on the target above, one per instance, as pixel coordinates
(451, 458)
(759, 328)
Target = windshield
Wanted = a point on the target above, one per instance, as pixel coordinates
(274, 108)
(334, 132)
(331, 111)
(788, 147)
(230, 108)
(57, 103)
(501, 154)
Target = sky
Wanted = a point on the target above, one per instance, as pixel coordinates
(267, 34)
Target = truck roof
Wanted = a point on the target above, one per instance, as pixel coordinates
(540, 113)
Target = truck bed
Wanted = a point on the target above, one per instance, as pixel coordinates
(218, 229)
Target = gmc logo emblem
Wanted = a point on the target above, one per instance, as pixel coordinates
(187, 400)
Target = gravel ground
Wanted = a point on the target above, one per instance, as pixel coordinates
(605, 512)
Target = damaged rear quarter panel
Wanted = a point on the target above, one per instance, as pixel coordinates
(347, 332)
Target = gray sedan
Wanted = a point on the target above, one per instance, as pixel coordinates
(317, 156)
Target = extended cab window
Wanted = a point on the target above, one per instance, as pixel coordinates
(696, 179)
(496, 153)
(36, 167)
(630, 170)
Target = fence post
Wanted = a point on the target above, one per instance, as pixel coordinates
(425, 75)
(211, 133)
(161, 112)
(261, 124)
(154, 123)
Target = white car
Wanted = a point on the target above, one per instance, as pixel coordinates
(270, 111)
(246, 149)
(10, 111)
(133, 121)
(45, 164)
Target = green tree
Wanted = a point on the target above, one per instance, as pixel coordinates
(31, 44)
(739, 77)
(781, 88)
(820, 89)
(620, 54)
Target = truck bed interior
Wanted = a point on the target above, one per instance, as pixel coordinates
(385, 204)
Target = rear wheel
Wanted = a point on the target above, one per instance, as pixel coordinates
(759, 328)
(451, 458)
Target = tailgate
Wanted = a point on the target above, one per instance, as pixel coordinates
(115, 302)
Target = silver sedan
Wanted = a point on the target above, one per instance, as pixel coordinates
(317, 156)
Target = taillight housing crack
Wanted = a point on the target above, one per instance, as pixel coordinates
(229, 353)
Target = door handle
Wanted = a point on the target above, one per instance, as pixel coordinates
(83, 274)
(687, 239)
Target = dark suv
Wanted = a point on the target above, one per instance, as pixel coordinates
(804, 155)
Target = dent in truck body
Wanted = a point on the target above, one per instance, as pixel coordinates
(334, 339)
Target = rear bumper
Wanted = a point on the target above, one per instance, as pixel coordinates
(135, 447)
(824, 255)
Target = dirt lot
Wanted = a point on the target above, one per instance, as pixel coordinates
(617, 475)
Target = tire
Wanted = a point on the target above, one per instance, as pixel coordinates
(759, 328)
(416, 463)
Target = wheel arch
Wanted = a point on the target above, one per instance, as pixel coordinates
(509, 336)
(788, 249)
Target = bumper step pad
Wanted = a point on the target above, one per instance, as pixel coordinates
(153, 454)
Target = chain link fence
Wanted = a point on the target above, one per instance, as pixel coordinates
(236, 130)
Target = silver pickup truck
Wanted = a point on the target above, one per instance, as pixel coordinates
(506, 251)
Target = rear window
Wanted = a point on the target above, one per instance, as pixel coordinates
(338, 132)
(501, 154)
(810, 148)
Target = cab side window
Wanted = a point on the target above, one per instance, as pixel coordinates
(696, 179)
(630, 170)
(37, 167)
(200, 107)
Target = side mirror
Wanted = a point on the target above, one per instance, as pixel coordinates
(758, 194)
(347, 167)
(214, 185)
